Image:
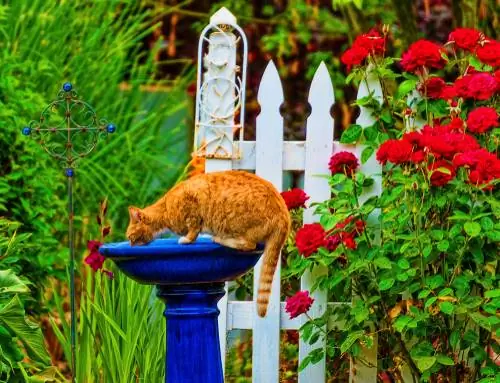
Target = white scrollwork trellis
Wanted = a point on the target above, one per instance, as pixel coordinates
(220, 96)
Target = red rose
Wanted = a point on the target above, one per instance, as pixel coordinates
(484, 166)
(372, 41)
(465, 38)
(343, 162)
(310, 238)
(395, 151)
(422, 53)
(433, 87)
(348, 241)
(354, 56)
(482, 119)
(448, 92)
(299, 304)
(441, 178)
(456, 125)
(295, 198)
(414, 138)
(497, 79)
(489, 53)
(417, 157)
(479, 86)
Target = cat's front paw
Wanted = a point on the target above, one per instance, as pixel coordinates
(184, 241)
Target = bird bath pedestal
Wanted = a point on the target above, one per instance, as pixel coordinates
(190, 280)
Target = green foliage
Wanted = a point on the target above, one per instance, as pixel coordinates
(96, 46)
(19, 337)
(423, 273)
(121, 331)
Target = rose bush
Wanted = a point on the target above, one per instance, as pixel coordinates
(420, 261)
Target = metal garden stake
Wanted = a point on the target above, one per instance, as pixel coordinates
(69, 130)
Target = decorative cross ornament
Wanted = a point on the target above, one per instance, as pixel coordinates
(68, 130)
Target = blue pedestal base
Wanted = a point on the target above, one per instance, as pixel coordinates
(192, 333)
(190, 279)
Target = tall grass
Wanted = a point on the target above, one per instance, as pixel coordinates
(98, 46)
(121, 333)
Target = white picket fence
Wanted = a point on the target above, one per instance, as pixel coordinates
(269, 156)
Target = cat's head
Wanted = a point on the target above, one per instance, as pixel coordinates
(139, 231)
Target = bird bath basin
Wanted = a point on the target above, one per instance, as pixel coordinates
(190, 280)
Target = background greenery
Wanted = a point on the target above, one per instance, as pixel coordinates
(133, 60)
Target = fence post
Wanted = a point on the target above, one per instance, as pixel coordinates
(269, 165)
(366, 371)
(319, 146)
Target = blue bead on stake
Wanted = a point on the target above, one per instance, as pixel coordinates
(67, 86)
(111, 128)
(26, 131)
(69, 172)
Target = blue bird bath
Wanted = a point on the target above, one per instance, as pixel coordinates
(190, 280)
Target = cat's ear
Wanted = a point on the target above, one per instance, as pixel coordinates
(136, 214)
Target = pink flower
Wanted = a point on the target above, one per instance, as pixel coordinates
(299, 304)
(95, 260)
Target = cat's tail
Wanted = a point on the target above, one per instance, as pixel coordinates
(270, 259)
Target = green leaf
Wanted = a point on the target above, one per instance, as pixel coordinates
(370, 133)
(350, 340)
(12, 317)
(487, 223)
(424, 294)
(427, 251)
(351, 135)
(402, 322)
(11, 283)
(445, 360)
(435, 282)
(481, 320)
(430, 302)
(424, 362)
(383, 263)
(406, 87)
(492, 293)
(473, 229)
(366, 154)
(386, 284)
(445, 292)
(403, 263)
(455, 339)
(443, 245)
(447, 307)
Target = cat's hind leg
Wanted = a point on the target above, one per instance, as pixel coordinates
(236, 243)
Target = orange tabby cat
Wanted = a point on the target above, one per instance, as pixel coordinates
(237, 208)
